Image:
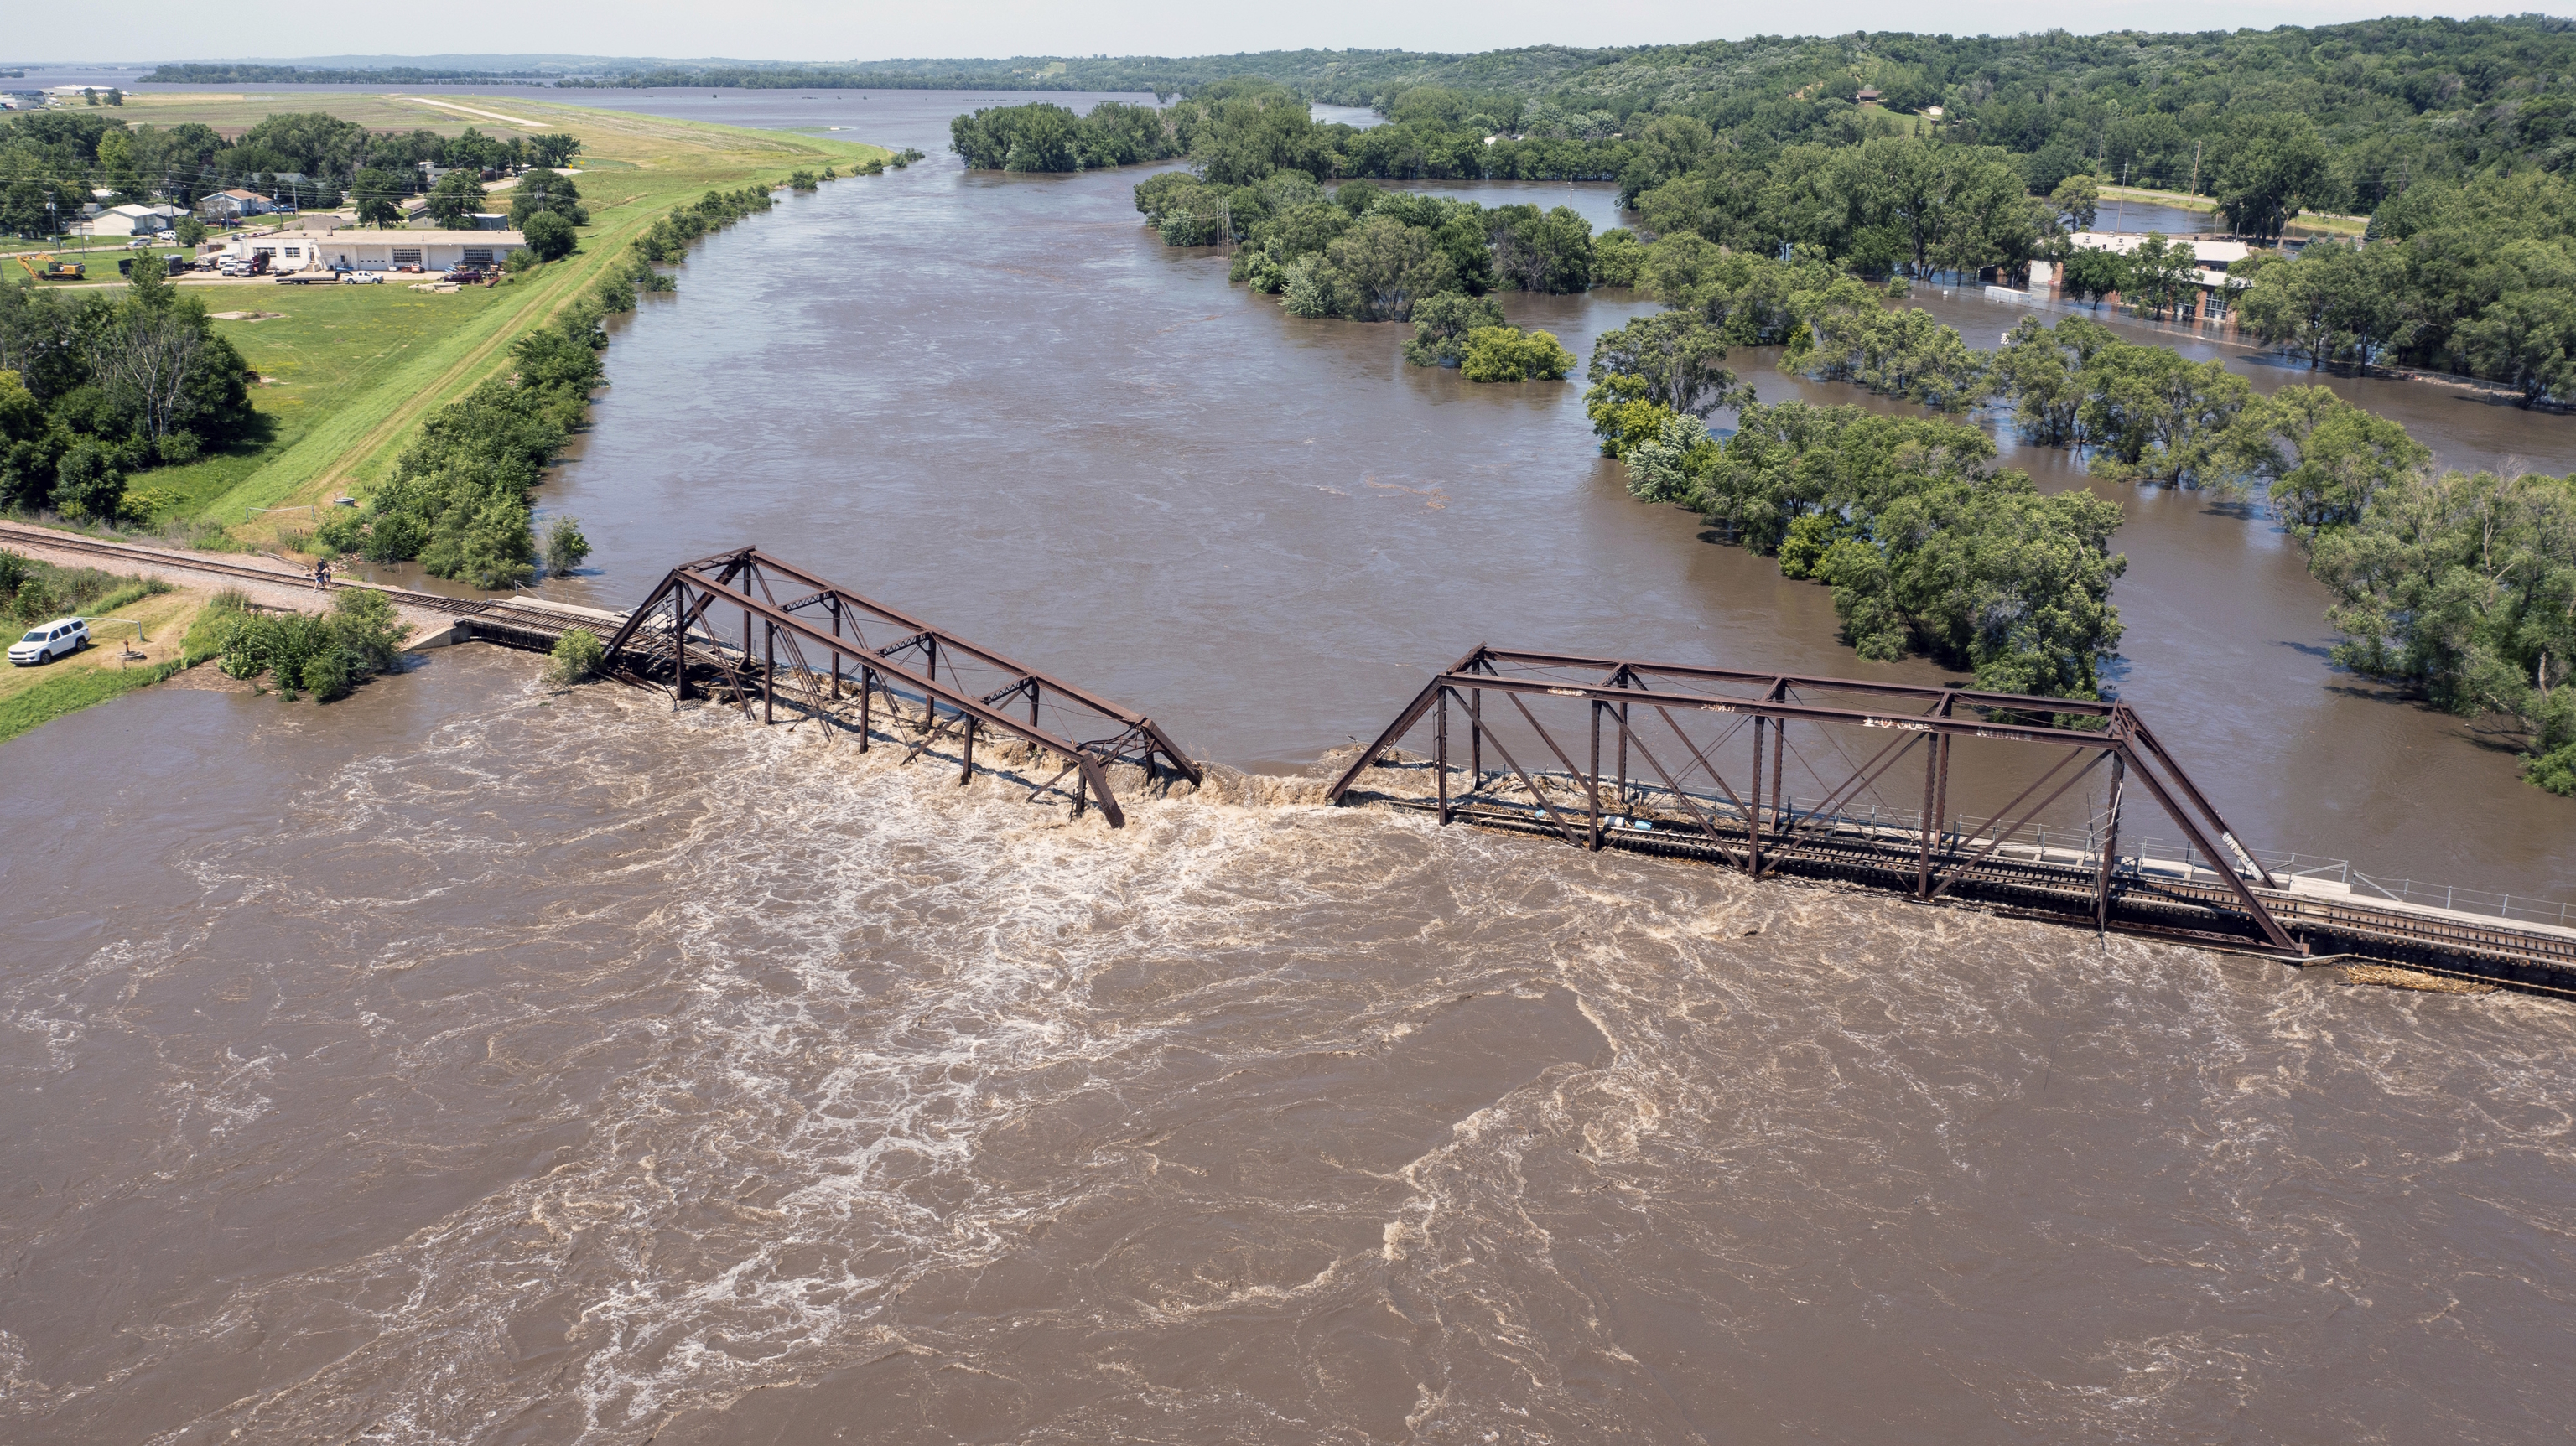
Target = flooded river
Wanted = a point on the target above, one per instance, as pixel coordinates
(470, 1062)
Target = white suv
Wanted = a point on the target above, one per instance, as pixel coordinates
(59, 638)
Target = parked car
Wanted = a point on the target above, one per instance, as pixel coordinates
(142, 243)
(362, 278)
(57, 639)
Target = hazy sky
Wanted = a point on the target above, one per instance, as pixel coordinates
(812, 29)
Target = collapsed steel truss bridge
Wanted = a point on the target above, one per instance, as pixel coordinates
(815, 652)
(1688, 749)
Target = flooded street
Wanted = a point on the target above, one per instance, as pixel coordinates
(470, 1061)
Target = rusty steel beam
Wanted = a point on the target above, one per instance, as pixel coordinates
(1772, 837)
(741, 579)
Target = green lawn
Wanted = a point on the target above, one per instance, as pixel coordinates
(327, 350)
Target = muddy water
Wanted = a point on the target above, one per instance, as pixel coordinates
(466, 1062)
(1001, 401)
(462, 1064)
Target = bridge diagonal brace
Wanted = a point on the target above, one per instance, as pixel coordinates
(1887, 758)
(1537, 798)
(1707, 824)
(1951, 873)
(1095, 777)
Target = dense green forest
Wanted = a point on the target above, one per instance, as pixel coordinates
(2388, 102)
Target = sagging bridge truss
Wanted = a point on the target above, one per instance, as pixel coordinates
(837, 656)
(1688, 750)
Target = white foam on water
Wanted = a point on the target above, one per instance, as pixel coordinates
(804, 1051)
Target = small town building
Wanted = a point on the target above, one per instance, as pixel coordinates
(1868, 95)
(130, 221)
(2210, 260)
(489, 220)
(368, 250)
(234, 205)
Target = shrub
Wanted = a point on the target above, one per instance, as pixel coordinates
(2555, 771)
(565, 546)
(576, 656)
(325, 654)
(520, 259)
(1509, 354)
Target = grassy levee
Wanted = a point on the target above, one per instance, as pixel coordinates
(361, 400)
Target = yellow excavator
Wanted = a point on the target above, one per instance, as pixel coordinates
(54, 268)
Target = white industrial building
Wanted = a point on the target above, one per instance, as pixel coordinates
(364, 250)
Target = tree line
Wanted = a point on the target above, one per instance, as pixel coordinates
(2347, 115)
(460, 499)
(60, 157)
(95, 386)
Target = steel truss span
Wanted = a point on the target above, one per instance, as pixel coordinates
(837, 658)
(1838, 778)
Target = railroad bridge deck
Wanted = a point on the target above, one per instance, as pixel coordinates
(1682, 739)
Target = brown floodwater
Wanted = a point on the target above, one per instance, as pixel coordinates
(467, 1061)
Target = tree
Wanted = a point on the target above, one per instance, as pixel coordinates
(2527, 339)
(1391, 265)
(1674, 357)
(2289, 306)
(1617, 257)
(1044, 138)
(2077, 200)
(456, 196)
(2274, 168)
(2153, 416)
(1441, 325)
(2092, 273)
(2040, 378)
(565, 546)
(379, 194)
(554, 150)
(2324, 460)
(546, 191)
(2462, 588)
(190, 232)
(550, 236)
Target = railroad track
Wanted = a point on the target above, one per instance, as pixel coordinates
(2185, 910)
(156, 557)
